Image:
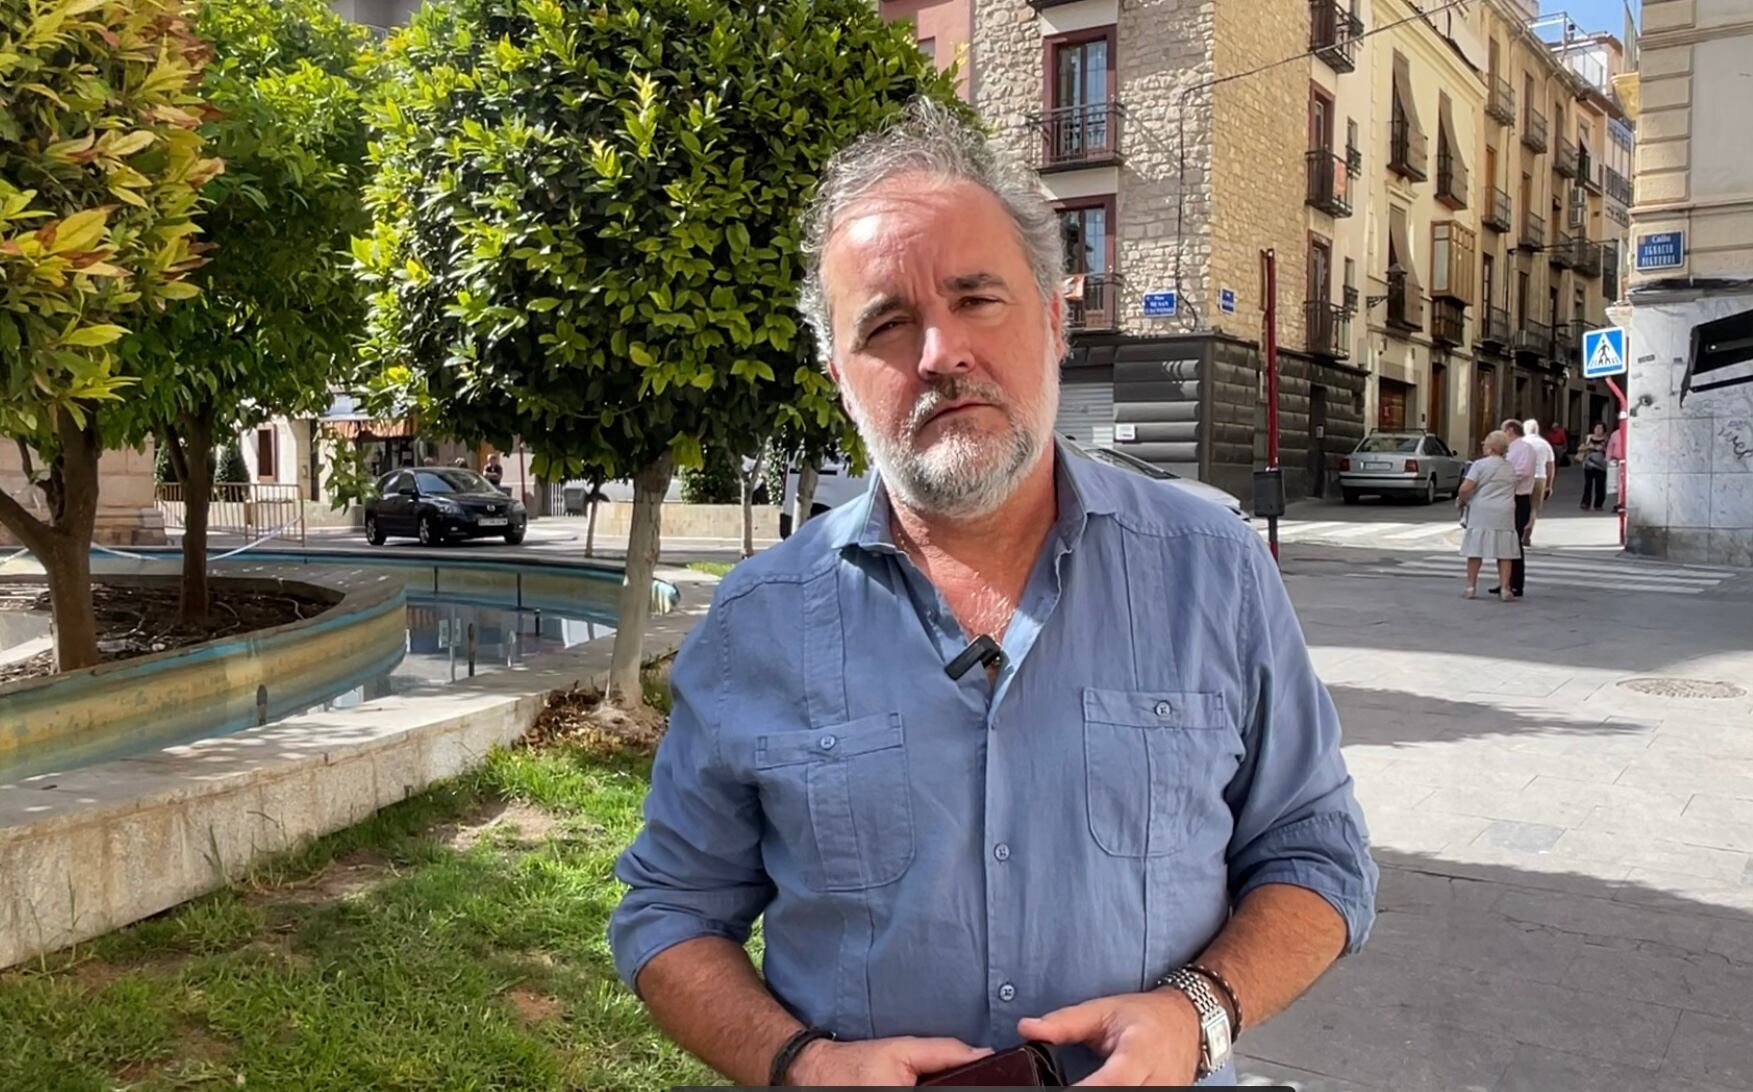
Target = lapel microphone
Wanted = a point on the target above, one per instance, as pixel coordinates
(983, 650)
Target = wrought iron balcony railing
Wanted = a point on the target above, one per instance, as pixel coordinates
(1448, 322)
(1501, 103)
(1329, 182)
(1533, 230)
(1533, 339)
(1496, 215)
(1564, 161)
(1534, 130)
(1451, 178)
(1561, 252)
(1078, 136)
(1334, 32)
(1405, 302)
(1092, 301)
(1408, 151)
(1494, 327)
(1329, 329)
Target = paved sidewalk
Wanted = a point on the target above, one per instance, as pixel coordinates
(1567, 863)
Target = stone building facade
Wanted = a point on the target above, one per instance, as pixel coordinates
(1690, 316)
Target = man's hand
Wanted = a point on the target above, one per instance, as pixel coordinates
(1147, 1038)
(900, 1061)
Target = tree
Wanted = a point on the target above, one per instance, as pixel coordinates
(232, 468)
(714, 481)
(100, 171)
(586, 226)
(806, 441)
(273, 328)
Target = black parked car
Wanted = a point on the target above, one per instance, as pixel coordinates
(437, 503)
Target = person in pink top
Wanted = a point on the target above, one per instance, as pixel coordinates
(1616, 456)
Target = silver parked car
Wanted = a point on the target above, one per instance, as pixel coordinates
(1191, 486)
(1401, 464)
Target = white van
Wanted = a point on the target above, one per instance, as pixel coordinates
(835, 485)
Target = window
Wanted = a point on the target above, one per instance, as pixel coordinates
(398, 483)
(1320, 120)
(1089, 243)
(1081, 69)
(1487, 281)
(1433, 445)
(1320, 269)
(1351, 135)
(1452, 247)
(451, 481)
(1522, 297)
(1527, 100)
(265, 454)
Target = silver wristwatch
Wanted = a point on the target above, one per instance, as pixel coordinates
(1214, 1021)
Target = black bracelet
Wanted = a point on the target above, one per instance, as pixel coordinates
(1229, 991)
(789, 1052)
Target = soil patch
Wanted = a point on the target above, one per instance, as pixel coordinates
(137, 621)
(361, 870)
(582, 716)
(524, 824)
(533, 1007)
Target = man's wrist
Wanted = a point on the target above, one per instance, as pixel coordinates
(803, 1067)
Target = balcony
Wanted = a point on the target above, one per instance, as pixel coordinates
(1334, 32)
(1577, 329)
(1354, 160)
(1408, 151)
(1092, 302)
(1587, 260)
(1329, 182)
(1448, 322)
(1405, 302)
(1562, 253)
(1618, 187)
(1078, 136)
(1533, 339)
(1451, 178)
(1533, 231)
(1497, 214)
(1494, 327)
(1588, 170)
(1565, 161)
(1564, 344)
(1329, 329)
(1534, 131)
(1351, 299)
(1501, 103)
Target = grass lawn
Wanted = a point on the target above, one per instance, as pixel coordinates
(454, 941)
(712, 568)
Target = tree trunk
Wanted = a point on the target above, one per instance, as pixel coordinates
(197, 447)
(750, 477)
(807, 476)
(590, 526)
(63, 545)
(649, 487)
(68, 566)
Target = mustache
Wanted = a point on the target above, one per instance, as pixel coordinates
(945, 391)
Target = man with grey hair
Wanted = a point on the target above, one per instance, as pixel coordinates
(1019, 747)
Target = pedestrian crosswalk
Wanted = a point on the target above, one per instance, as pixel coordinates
(1566, 569)
(1384, 534)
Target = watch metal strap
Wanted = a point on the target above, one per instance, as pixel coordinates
(1214, 1022)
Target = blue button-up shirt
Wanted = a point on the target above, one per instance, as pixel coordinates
(942, 857)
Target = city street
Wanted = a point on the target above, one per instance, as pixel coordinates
(1566, 900)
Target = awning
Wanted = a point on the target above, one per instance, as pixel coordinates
(363, 429)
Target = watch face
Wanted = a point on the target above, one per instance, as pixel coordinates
(1217, 1040)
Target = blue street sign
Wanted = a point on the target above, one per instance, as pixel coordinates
(1604, 352)
(1226, 301)
(1159, 304)
(1662, 250)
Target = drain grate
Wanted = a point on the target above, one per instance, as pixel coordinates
(1684, 688)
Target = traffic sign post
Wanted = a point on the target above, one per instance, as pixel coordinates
(1604, 352)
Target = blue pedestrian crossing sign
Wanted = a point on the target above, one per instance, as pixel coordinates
(1603, 352)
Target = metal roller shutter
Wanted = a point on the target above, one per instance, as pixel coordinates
(1086, 413)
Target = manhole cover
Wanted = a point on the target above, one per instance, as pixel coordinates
(1684, 688)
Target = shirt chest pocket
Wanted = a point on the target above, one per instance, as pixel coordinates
(1155, 767)
(840, 799)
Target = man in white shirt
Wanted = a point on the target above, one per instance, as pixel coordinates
(1521, 457)
(1545, 474)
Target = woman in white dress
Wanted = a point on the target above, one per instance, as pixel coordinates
(1488, 499)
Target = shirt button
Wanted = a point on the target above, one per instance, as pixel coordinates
(1163, 709)
(1001, 851)
(1007, 992)
(828, 743)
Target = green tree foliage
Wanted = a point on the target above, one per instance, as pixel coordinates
(232, 468)
(278, 312)
(715, 481)
(100, 170)
(586, 226)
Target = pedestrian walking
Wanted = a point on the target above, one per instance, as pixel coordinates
(1594, 456)
(1487, 499)
(1545, 475)
(1520, 455)
(1616, 459)
(886, 782)
(493, 471)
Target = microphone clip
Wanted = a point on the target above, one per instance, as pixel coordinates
(983, 650)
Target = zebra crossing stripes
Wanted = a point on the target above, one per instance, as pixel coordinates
(1385, 534)
(1558, 571)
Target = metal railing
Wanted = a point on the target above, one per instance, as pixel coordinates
(1329, 329)
(1354, 160)
(1329, 182)
(1405, 302)
(1587, 261)
(1497, 212)
(1408, 150)
(1334, 31)
(1564, 346)
(1078, 136)
(1533, 230)
(1501, 103)
(1618, 187)
(1534, 130)
(1588, 169)
(1451, 178)
(1494, 326)
(1092, 301)
(1562, 251)
(1448, 322)
(256, 511)
(1578, 327)
(1564, 161)
(1533, 339)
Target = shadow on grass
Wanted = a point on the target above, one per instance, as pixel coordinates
(481, 967)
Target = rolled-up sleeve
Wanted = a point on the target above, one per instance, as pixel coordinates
(695, 869)
(1296, 819)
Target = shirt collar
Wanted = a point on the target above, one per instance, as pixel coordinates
(1081, 488)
